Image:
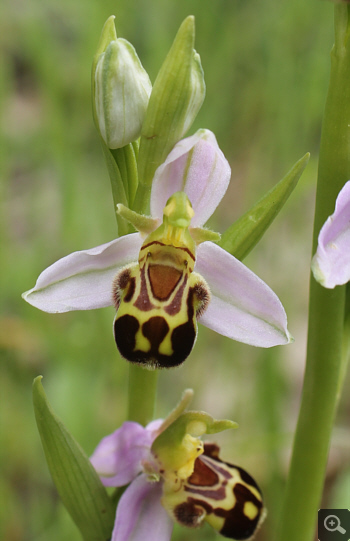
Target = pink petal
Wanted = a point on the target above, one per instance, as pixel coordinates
(331, 263)
(196, 166)
(117, 458)
(242, 306)
(83, 280)
(140, 514)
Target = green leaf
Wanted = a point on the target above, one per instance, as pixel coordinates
(241, 237)
(75, 478)
(176, 98)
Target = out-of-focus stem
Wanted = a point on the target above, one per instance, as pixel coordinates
(142, 394)
(326, 313)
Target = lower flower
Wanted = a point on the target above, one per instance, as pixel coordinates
(173, 476)
(222, 494)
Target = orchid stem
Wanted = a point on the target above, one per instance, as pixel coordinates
(324, 366)
(142, 394)
(142, 382)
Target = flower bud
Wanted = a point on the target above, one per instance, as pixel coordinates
(177, 96)
(121, 93)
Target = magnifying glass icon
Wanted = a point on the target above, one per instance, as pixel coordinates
(332, 524)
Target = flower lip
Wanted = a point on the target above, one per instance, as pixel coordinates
(222, 494)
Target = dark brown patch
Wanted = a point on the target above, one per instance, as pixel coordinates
(155, 329)
(212, 450)
(143, 302)
(123, 278)
(202, 296)
(218, 466)
(202, 475)
(237, 525)
(244, 476)
(182, 340)
(125, 329)
(183, 336)
(131, 290)
(243, 494)
(174, 307)
(120, 282)
(248, 478)
(189, 514)
(163, 280)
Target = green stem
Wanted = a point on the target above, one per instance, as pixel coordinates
(142, 394)
(118, 191)
(326, 314)
(131, 165)
(142, 197)
(142, 382)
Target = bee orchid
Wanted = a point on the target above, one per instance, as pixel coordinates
(175, 477)
(171, 273)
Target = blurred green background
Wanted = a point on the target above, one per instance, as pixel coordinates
(266, 67)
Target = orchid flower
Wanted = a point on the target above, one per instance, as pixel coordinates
(331, 263)
(174, 477)
(171, 273)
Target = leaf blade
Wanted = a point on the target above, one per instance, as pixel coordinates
(76, 481)
(241, 237)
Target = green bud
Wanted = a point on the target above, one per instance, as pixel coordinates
(176, 98)
(121, 90)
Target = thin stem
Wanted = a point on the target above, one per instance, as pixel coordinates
(142, 394)
(118, 191)
(326, 314)
(131, 165)
(142, 382)
(142, 198)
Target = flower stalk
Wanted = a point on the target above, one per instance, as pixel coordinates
(176, 98)
(142, 394)
(326, 312)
